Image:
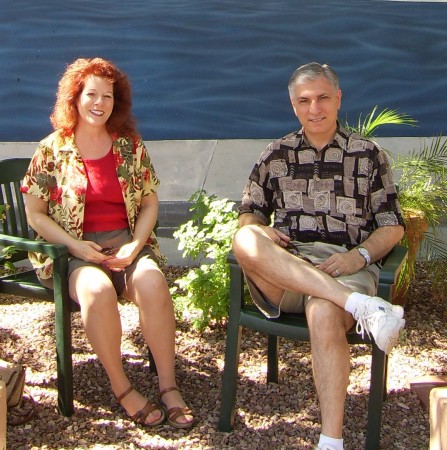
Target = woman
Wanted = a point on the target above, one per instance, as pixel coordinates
(92, 187)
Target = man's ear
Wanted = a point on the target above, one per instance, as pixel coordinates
(339, 98)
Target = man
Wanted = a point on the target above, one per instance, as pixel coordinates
(335, 214)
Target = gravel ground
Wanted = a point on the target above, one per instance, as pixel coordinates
(283, 416)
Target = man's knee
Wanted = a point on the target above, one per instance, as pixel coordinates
(245, 236)
(326, 320)
(245, 243)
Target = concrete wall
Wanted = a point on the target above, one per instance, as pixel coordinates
(220, 167)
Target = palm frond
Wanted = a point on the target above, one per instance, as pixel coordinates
(433, 247)
(371, 122)
(436, 152)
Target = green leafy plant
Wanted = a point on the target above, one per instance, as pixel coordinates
(423, 198)
(203, 293)
(423, 180)
(6, 266)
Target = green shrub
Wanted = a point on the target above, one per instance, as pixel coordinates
(6, 267)
(203, 293)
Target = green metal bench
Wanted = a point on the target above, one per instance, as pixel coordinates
(294, 326)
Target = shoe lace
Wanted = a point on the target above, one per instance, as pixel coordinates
(362, 326)
(366, 322)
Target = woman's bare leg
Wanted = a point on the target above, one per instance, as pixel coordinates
(94, 292)
(147, 287)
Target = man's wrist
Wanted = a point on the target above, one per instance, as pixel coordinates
(365, 254)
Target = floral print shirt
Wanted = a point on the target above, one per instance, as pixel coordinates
(57, 175)
(338, 195)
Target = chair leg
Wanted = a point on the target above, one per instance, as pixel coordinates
(230, 376)
(376, 392)
(64, 359)
(385, 381)
(233, 345)
(272, 359)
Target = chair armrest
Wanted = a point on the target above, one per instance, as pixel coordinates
(59, 255)
(392, 265)
(54, 251)
(231, 259)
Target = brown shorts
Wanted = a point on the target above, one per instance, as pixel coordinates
(365, 281)
(114, 239)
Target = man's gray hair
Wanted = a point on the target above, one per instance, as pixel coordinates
(311, 72)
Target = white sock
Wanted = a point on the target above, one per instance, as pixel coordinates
(337, 444)
(353, 300)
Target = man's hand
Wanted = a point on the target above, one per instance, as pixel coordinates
(378, 244)
(343, 263)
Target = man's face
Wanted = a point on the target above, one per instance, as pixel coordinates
(316, 104)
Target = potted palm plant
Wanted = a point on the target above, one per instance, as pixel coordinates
(422, 190)
(423, 198)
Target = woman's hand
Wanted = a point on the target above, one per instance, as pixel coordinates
(89, 251)
(123, 258)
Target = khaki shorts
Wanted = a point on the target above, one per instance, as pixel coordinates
(365, 281)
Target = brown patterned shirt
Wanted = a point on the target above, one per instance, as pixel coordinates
(337, 195)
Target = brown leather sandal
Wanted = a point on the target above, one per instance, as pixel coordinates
(141, 416)
(175, 412)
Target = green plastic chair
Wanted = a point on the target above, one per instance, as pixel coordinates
(16, 232)
(294, 326)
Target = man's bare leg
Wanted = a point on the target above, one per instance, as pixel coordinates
(328, 325)
(274, 270)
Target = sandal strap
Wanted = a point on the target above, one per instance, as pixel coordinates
(141, 416)
(165, 391)
(175, 412)
(124, 394)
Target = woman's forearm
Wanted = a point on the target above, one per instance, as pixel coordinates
(45, 226)
(146, 220)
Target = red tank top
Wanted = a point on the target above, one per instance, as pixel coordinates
(104, 204)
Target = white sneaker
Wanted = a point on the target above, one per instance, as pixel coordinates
(381, 320)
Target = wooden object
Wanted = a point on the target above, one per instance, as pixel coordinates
(438, 418)
(2, 416)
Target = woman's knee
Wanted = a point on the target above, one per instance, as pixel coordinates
(148, 287)
(91, 287)
(148, 277)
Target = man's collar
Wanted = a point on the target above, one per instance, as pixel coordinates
(340, 137)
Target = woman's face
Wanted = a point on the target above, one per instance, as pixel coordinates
(95, 103)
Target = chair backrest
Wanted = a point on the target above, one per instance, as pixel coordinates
(14, 222)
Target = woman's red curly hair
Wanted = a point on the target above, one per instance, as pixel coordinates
(65, 113)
